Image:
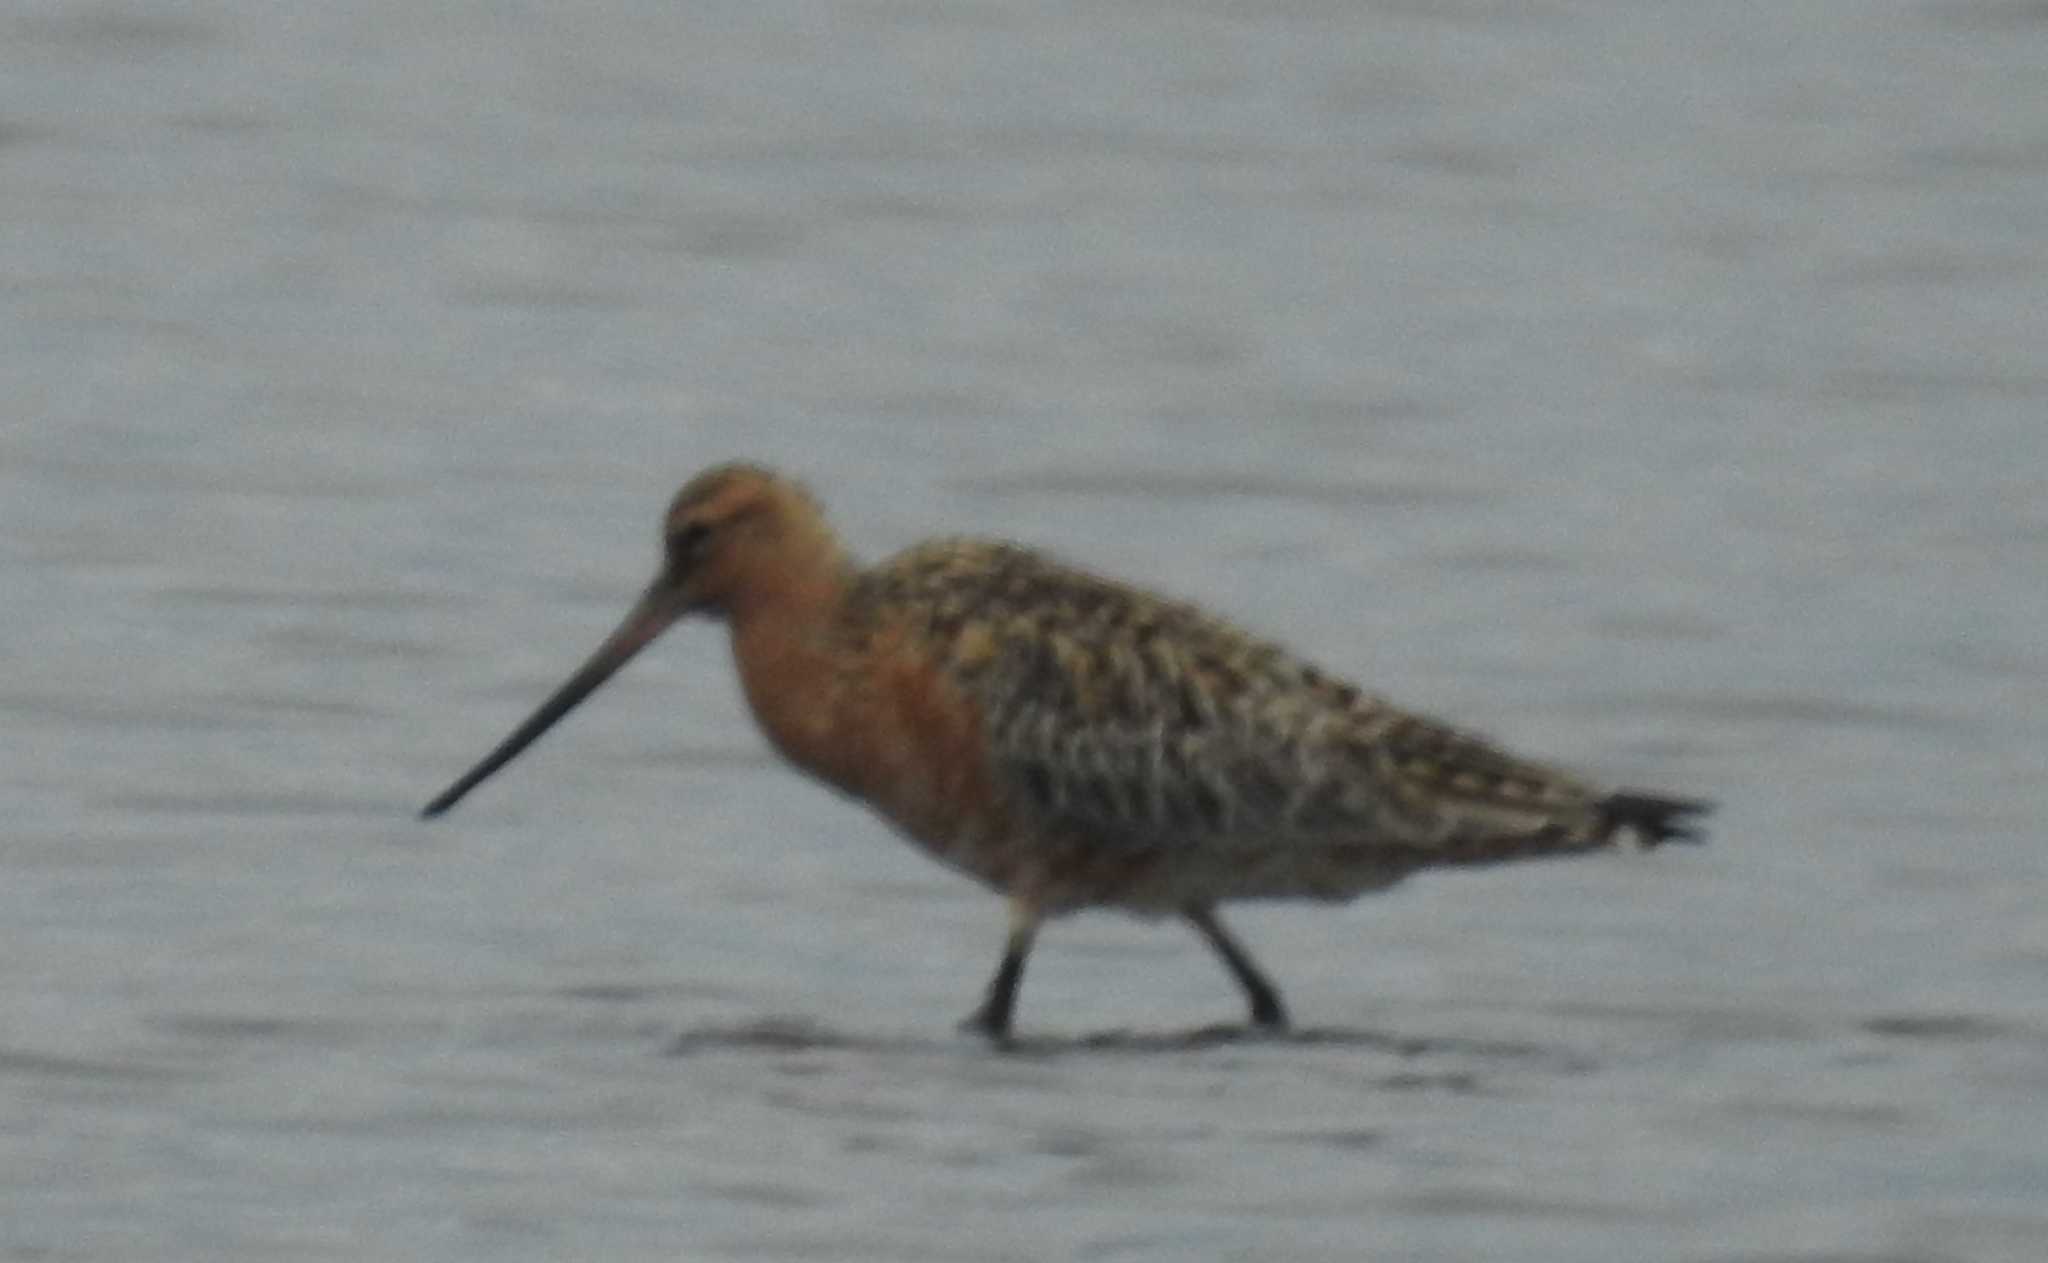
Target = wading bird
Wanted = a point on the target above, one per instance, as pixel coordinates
(1072, 742)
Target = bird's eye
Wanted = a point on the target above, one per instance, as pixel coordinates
(688, 540)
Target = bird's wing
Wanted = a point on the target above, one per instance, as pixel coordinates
(1142, 721)
(1137, 720)
(1159, 755)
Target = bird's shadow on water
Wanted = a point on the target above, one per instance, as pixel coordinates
(796, 1035)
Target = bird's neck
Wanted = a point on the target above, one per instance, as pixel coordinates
(790, 659)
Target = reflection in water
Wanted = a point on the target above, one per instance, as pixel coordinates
(792, 1034)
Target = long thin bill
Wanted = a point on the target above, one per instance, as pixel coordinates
(656, 611)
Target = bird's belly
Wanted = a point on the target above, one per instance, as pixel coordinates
(1068, 872)
(1267, 869)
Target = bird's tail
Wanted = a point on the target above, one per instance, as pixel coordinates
(1654, 818)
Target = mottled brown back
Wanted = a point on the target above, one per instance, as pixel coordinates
(1143, 722)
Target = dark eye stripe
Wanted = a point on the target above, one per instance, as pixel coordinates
(690, 538)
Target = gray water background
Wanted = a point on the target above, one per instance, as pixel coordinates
(1659, 387)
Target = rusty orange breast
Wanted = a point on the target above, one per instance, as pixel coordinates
(872, 713)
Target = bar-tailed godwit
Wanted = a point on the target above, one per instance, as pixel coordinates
(1073, 742)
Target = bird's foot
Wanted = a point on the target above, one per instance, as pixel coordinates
(991, 1026)
(1268, 1014)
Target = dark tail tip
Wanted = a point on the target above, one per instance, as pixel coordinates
(1654, 818)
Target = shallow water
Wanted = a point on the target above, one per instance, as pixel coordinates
(1659, 388)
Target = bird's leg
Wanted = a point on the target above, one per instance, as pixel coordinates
(993, 1017)
(1267, 1011)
